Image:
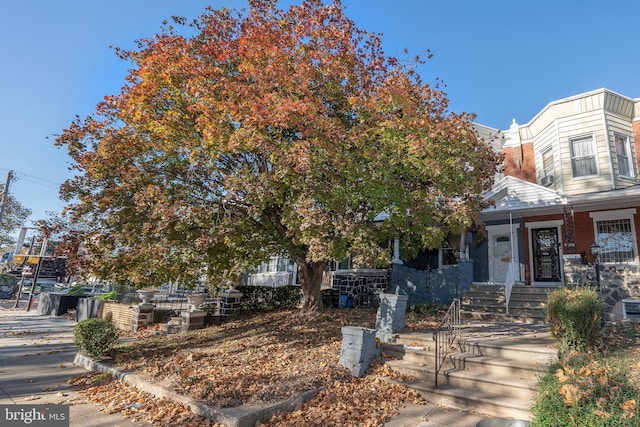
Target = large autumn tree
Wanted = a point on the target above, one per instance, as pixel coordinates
(266, 132)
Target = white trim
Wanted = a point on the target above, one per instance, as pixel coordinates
(608, 141)
(544, 224)
(627, 146)
(396, 252)
(502, 227)
(558, 149)
(613, 215)
(616, 214)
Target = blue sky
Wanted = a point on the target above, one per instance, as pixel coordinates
(499, 59)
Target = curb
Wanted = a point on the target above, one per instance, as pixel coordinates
(241, 416)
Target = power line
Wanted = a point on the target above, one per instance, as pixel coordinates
(23, 176)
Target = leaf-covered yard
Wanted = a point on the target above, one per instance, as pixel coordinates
(253, 361)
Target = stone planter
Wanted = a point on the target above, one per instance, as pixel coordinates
(390, 315)
(146, 295)
(196, 300)
(358, 349)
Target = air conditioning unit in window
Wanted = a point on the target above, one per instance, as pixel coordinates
(547, 180)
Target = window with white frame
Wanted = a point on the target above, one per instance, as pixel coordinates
(583, 156)
(547, 162)
(275, 264)
(447, 256)
(345, 264)
(451, 251)
(623, 155)
(615, 234)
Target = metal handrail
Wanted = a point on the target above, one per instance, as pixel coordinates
(446, 333)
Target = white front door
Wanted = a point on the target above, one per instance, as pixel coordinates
(503, 239)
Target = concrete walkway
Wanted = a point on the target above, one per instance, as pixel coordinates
(36, 361)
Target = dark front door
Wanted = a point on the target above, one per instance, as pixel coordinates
(546, 260)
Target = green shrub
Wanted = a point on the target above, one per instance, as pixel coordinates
(108, 297)
(76, 291)
(584, 392)
(96, 337)
(266, 298)
(575, 318)
(425, 308)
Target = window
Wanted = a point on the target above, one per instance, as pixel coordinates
(615, 234)
(345, 264)
(631, 308)
(583, 158)
(623, 155)
(451, 251)
(275, 264)
(547, 178)
(448, 257)
(615, 238)
(547, 162)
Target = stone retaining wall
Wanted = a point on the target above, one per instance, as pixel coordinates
(618, 282)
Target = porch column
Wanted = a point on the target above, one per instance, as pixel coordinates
(396, 252)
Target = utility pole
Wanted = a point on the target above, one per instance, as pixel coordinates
(5, 195)
(25, 273)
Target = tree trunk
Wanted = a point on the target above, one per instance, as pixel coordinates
(311, 280)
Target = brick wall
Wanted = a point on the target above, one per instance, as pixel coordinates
(121, 314)
(519, 162)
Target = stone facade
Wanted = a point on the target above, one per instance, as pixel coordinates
(445, 284)
(362, 286)
(438, 286)
(618, 282)
(411, 282)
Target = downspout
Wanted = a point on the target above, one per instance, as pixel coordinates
(606, 131)
(510, 279)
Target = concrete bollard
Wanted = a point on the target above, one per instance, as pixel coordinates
(390, 315)
(358, 349)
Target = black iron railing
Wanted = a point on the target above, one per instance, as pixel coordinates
(447, 332)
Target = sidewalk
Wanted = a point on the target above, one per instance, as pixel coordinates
(431, 415)
(36, 360)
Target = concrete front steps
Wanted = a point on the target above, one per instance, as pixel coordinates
(493, 371)
(485, 302)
